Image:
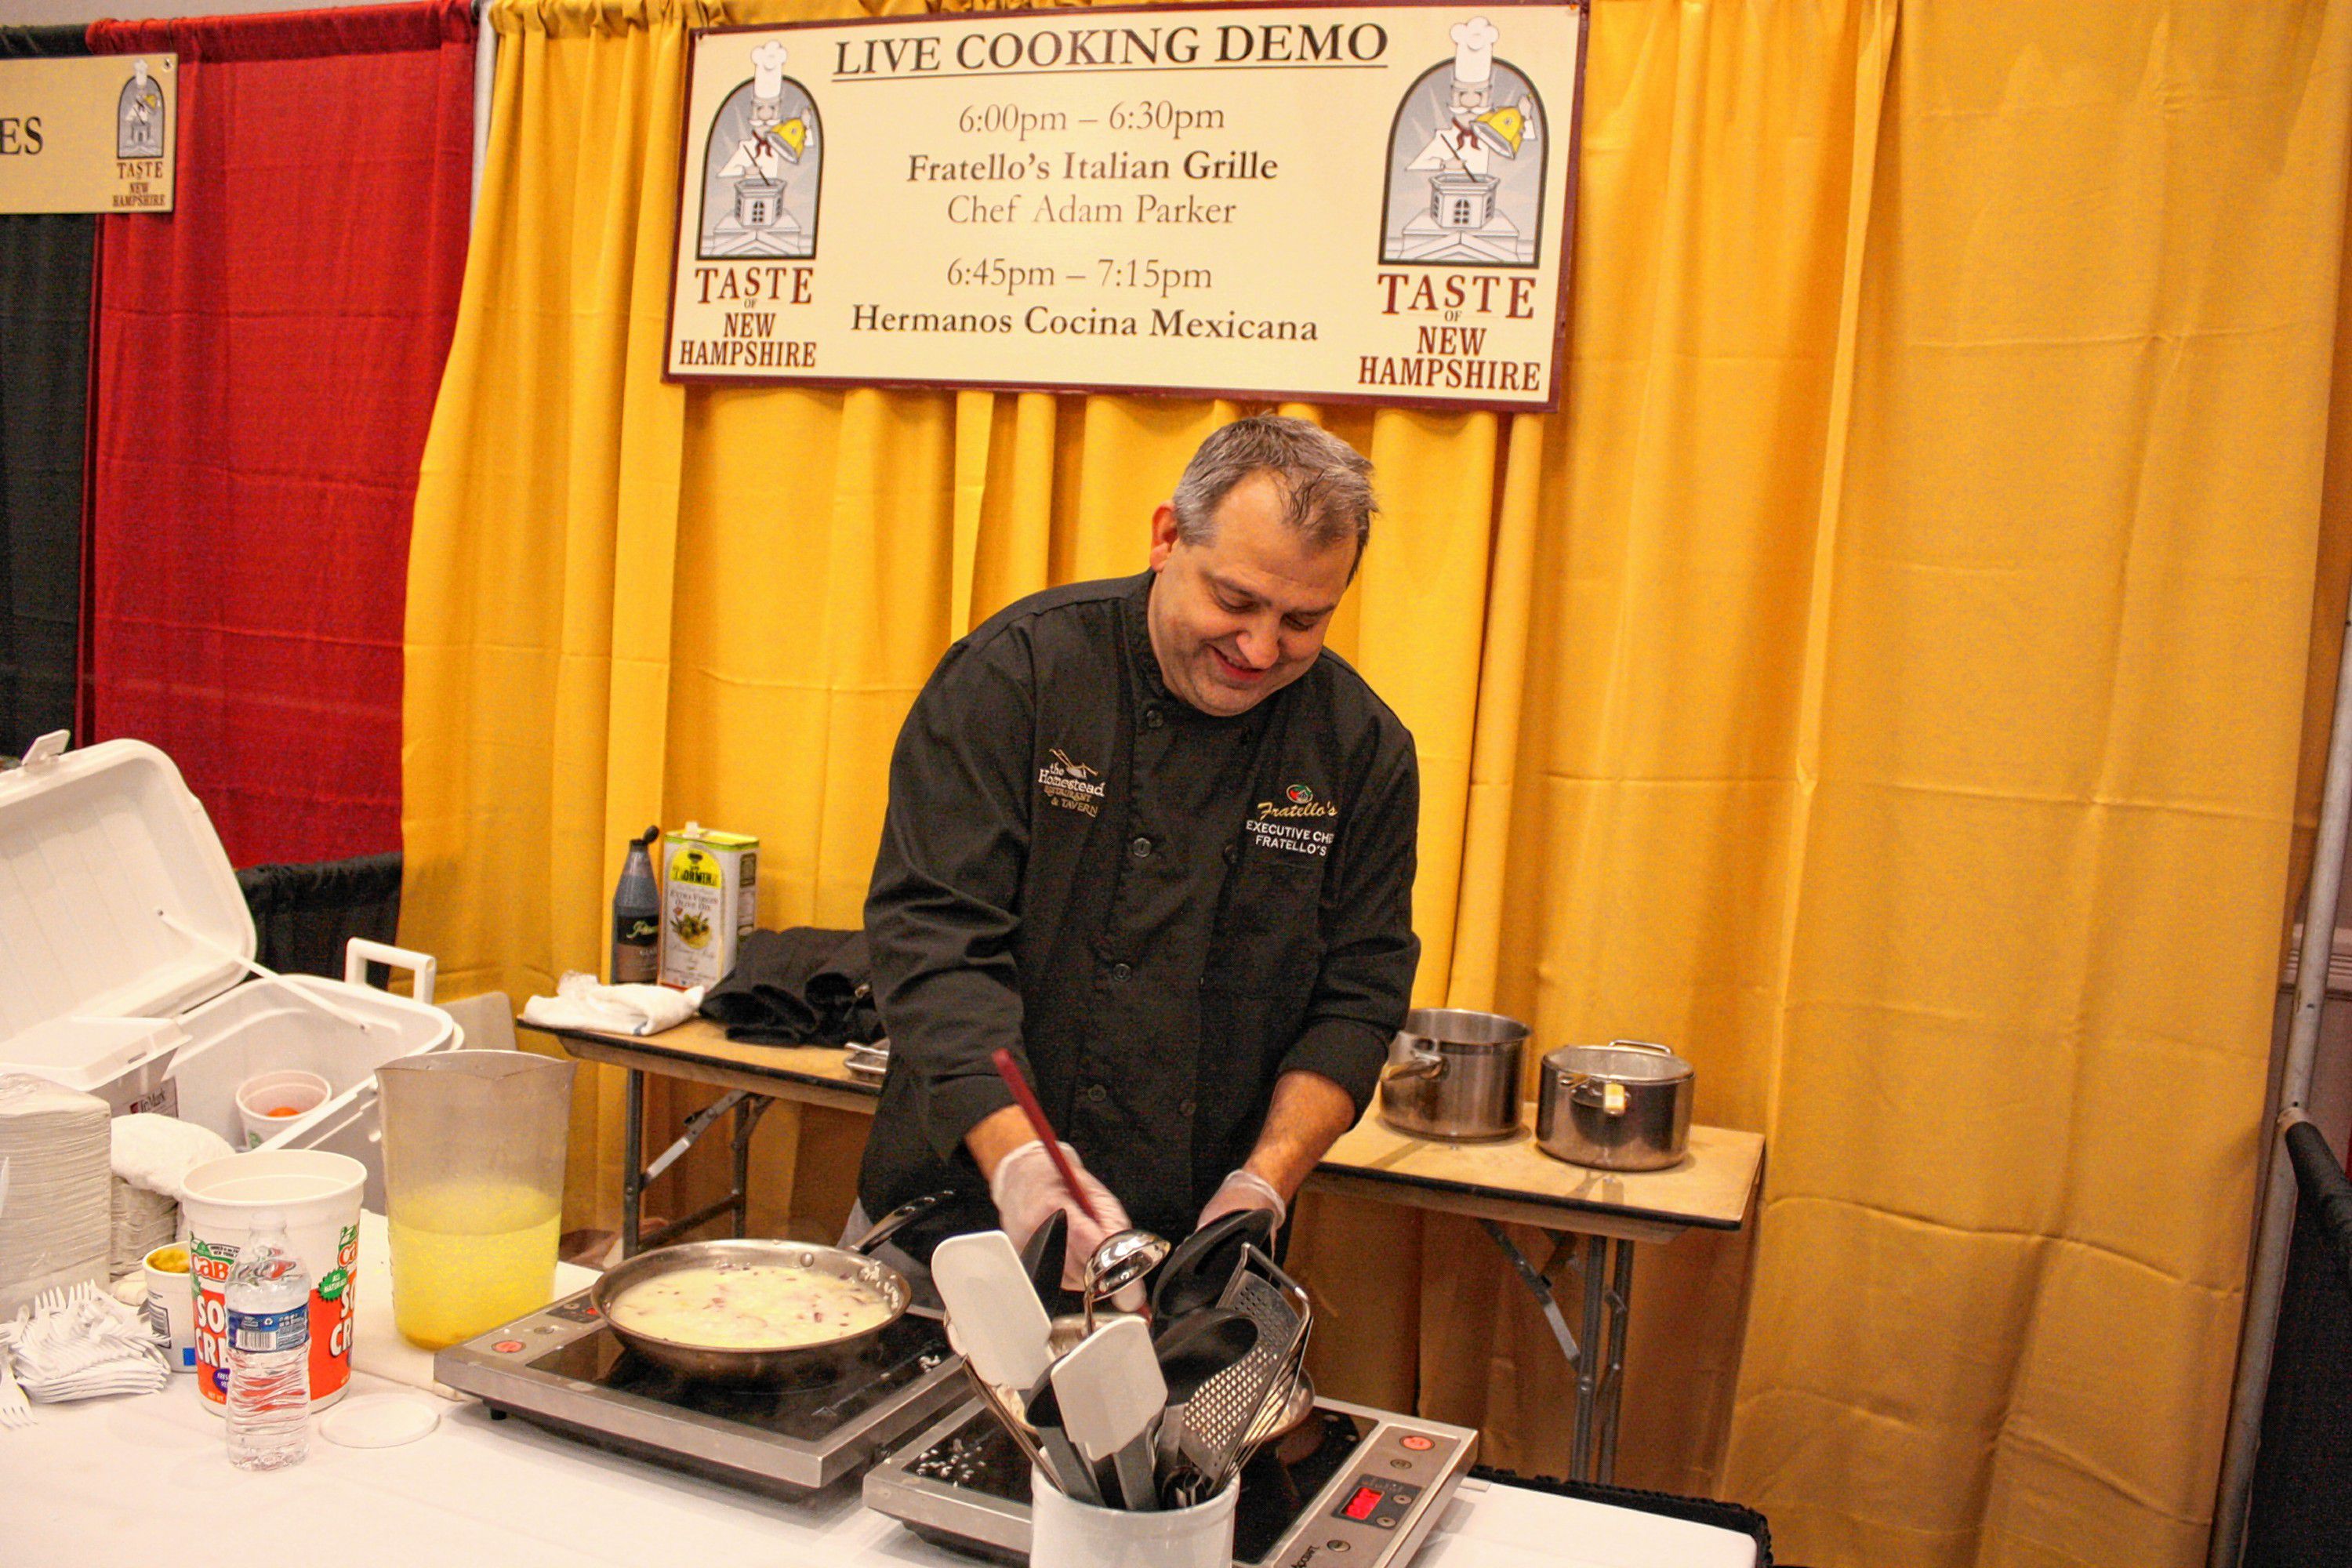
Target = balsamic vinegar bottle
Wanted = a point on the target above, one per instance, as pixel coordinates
(637, 917)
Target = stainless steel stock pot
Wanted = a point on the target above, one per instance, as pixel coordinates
(1625, 1106)
(1455, 1075)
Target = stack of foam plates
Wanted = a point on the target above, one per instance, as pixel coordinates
(56, 1227)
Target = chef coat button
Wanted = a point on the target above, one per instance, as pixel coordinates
(1186, 1108)
(1097, 1094)
(1233, 853)
(1140, 848)
(1151, 719)
(1119, 972)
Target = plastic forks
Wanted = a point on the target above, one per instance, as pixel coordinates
(15, 1410)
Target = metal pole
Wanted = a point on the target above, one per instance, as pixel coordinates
(486, 76)
(2274, 1223)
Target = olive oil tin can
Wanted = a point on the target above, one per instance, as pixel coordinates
(709, 902)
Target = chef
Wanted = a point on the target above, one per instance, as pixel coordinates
(1154, 838)
(1457, 147)
(773, 142)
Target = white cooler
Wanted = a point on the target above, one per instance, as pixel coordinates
(97, 990)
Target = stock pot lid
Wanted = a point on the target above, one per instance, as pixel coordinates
(1623, 1063)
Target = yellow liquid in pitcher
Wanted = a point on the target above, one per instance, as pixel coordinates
(466, 1259)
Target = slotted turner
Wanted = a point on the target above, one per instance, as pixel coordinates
(1226, 1409)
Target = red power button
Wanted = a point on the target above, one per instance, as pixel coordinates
(1416, 1442)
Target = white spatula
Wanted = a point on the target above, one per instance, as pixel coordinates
(1111, 1391)
(996, 1322)
(998, 1319)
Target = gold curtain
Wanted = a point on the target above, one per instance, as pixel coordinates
(1884, 681)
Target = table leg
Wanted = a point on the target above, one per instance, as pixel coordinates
(1539, 1284)
(1588, 1371)
(1620, 1304)
(747, 1117)
(1580, 1360)
(633, 1159)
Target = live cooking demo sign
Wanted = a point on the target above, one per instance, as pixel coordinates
(1326, 203)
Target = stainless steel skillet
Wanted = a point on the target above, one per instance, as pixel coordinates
(823, 1360)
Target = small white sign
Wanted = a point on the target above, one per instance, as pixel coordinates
(89, 134)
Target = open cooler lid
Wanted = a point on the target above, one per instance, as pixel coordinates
(93, 845)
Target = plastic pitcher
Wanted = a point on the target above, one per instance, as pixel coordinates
(473, 1172)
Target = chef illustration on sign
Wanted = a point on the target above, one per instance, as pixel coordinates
(761, 199)
(140, 132)
(1467, 194)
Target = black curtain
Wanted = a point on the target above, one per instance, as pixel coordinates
(2301, 1512)
(303, 915)
(45, 283)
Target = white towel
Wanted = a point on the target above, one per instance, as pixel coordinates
(581, 1002)
(153, 1152)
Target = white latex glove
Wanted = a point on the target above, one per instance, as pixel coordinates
(1245, 1189)
(1026, 1189)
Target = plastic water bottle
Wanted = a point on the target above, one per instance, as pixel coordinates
(268, 1300)
(637, 917)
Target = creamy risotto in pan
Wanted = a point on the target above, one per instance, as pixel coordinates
(749, 1307)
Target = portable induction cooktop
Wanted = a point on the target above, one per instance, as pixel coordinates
(563, 1368)
(1348, 1480)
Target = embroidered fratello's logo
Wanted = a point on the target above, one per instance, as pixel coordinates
(1300, 823)
(1074, 786)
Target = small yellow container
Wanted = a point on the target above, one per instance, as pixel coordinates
(172, 1303)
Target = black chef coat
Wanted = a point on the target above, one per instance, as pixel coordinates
(1158, 911)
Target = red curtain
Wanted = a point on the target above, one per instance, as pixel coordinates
(264, 369)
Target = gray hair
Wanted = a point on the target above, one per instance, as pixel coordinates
(1326, 484)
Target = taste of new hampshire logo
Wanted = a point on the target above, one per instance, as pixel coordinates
(138, 116)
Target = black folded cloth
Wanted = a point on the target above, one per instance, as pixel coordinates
(803, 986)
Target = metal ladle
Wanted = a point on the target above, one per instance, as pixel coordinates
(1124, 1258)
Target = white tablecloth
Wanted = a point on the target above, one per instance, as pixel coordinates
(147, 1480)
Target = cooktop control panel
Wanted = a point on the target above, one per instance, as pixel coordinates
(1381, 1503)
(1389, 1496)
